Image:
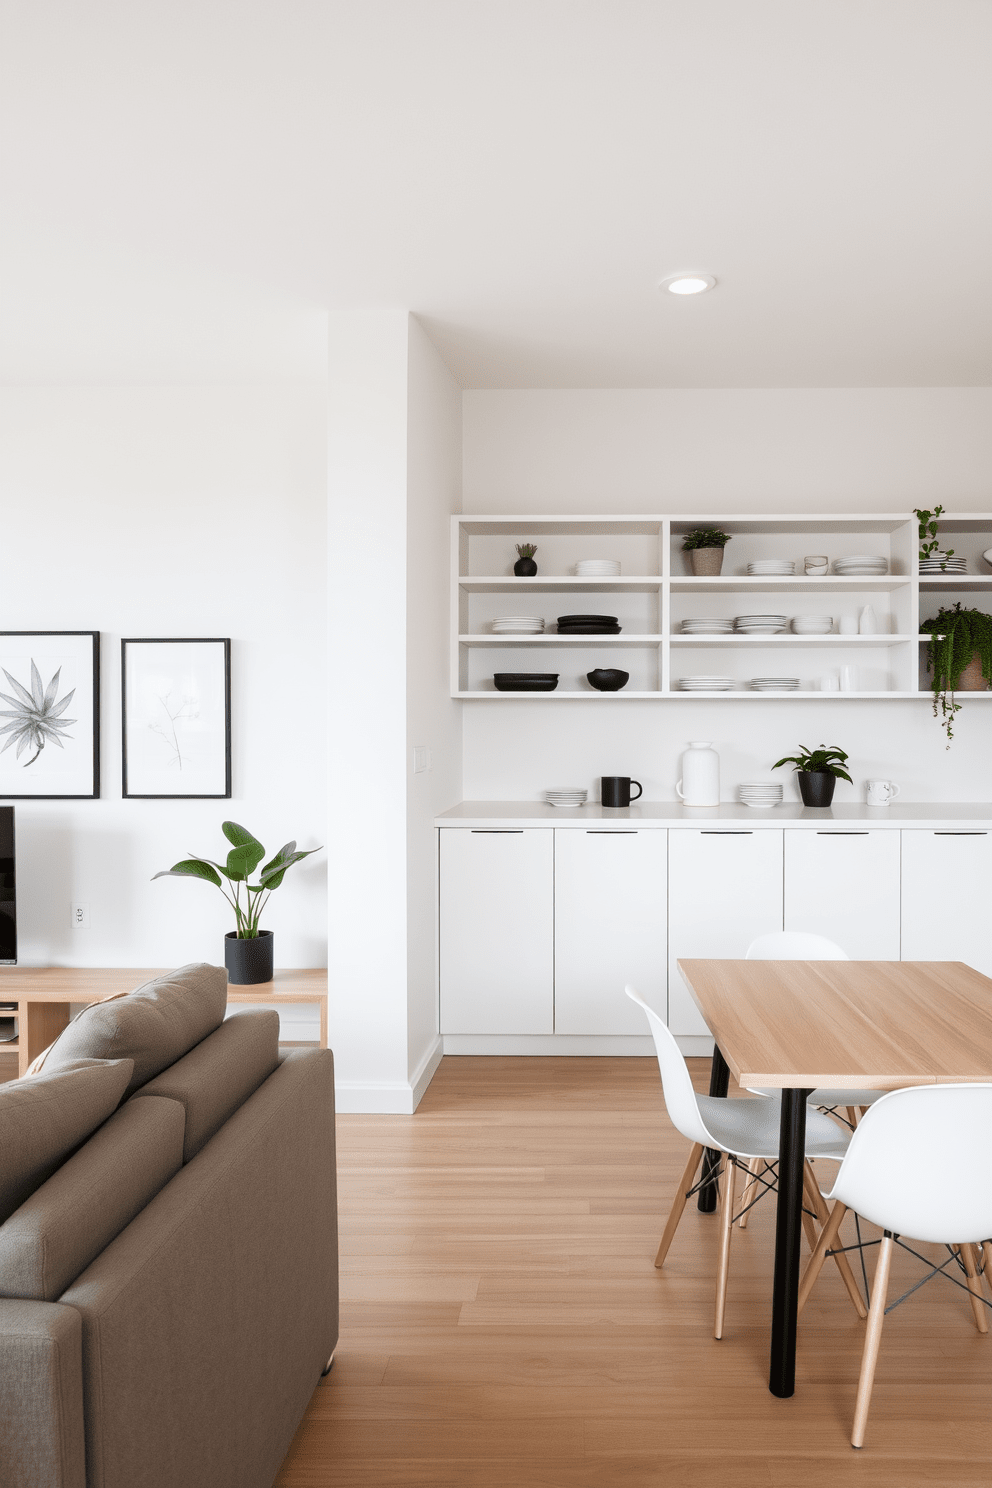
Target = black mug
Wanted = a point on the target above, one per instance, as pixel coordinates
(616, 790)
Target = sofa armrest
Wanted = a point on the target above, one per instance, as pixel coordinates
(41, 1400)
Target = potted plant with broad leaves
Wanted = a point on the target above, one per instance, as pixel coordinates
(705, 547)
(247, 950)
(959, 658)
(818, 771)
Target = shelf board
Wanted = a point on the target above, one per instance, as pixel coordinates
(559, 584)
(965, 583)
(744, 695)
(561, 640)
(791, 639)
(799, 584)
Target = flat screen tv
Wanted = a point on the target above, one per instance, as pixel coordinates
(8, 898)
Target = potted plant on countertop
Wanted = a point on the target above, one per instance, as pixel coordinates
(247, 950)
(959, 658)
(818, 771)
(705, 547)
(525, 567)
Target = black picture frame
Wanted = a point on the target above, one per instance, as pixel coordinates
(70, 771)
(157, 743)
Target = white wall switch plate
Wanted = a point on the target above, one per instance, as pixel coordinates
(421, 759)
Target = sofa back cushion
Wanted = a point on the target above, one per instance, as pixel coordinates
(219, 1075)
(69, 1220)
(44, 1117)
(154, 1025)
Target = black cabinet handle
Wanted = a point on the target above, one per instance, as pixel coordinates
(730, 832)
(842, 834)
(611, 832)
(497, 831)
(960, 834)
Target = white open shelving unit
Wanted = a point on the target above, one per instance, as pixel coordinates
(657, 591)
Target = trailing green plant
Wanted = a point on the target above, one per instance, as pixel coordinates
(956, 635)
(526, 550)
(245, 855)
(818, 761)
(928, 532)
(705, 537)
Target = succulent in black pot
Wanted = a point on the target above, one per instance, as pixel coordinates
(525, 567)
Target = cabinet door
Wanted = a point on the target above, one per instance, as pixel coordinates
(845, 885)
(724, 888)
(610, 928)
(946, 892)
(497, 931)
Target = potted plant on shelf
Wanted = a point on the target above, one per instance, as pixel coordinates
(247, 950)
(525, 567)
(818, 771)
(930, 549)
(959, 658)
(705, 547)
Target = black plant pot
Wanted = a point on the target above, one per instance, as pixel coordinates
(525, 568)
(816, 787)
(248, 961)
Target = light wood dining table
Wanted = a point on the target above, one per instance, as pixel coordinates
(798, 1025)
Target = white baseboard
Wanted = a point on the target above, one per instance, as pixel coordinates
(632, 1046)
(387, 1097)
(424, 1073)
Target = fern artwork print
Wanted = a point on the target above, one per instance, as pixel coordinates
(49, 717)
(176, 718)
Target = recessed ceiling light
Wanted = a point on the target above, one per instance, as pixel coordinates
(687, 284)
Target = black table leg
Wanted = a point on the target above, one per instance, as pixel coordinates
(719, 1080)
(788, 1227)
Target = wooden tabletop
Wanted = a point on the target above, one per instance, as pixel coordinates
(91, 983)
(873, 1024)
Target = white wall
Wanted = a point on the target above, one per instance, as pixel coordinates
(173, 511)
(699, 451)
(434, 452)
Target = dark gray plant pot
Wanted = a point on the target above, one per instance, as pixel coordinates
(816, 787)
(248, 961)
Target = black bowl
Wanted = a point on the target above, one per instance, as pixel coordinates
(608, 679)
(525, 681)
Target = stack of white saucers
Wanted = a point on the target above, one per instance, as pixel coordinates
(706, 684)
(774, 684)
(761, 624)
(860, 566)
(812, 624)
(771, 568)
(598, 568)
(518, 625)
(941, 564)
(761, 793)
(707, 625)
(566, 795)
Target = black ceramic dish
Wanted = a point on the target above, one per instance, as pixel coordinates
(588, 629)
(608, 679)
(587, 620)
(525, 681)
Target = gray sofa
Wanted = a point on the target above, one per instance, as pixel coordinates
(168, 1245)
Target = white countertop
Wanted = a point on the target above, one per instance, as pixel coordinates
(929, 815)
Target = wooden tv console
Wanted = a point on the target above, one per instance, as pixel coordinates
(43, 995)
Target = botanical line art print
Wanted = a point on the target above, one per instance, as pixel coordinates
(36, 715)
(187, 710)
(176, 718)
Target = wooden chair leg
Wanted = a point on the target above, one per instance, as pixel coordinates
(975, 1288)
(827, 1237)
(873, 1337)
(678, 1203)
(726, 1229)
(755, 1166)
(809, 1228)
(987, 1258)
(852, 1115)
(842, 1263)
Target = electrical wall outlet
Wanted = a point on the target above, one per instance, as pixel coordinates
(421, 759)
(80, 916)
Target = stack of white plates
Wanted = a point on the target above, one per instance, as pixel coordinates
(943, 565)
(812, 624)
(707, 625)
(598, 568)
(774, 684)
(518, 625)
(760, 793)
(566, 795)
(771, 568)
(761, 624)
(860, 567)
(706, 684)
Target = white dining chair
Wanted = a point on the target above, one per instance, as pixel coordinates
(745, 1128)
(918, 1165)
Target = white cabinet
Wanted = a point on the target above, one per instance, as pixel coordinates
(946, 893)
(610, 928)
(845, 885)
(497, 931)
(724, 889)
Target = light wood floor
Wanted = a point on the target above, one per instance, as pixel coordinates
(503, 1325)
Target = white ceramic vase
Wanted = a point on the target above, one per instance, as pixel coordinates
(700, 782)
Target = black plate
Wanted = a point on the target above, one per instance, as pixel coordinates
(507, 682)
(585, 619)
(589, 629)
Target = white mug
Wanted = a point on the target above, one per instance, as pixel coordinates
(881, 792)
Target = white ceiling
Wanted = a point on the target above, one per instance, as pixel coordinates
(187, 185)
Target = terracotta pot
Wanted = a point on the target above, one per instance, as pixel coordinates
(971, 678)
(706, 561)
